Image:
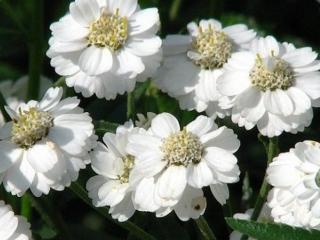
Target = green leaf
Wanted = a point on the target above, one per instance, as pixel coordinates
(271, 231)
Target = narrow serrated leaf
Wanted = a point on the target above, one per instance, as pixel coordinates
(271, 231)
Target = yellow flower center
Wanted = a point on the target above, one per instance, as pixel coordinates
(30, 127)
(110, 30)
(182, 148)
(128, 163)
(271, 74)
(213, 48)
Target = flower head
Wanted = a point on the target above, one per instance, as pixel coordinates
(113, 164)
(193, 63)
(295, 199)
(13, 227)
(174, 159)
(273, 86)
(45, 145)
(104, 50)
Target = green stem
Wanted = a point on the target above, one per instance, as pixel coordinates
(131, 106)
(205, 229)
(272, 150)
(3, 103)
(35, 49)
(26, 207)
(129, 226)
(61, 82)
(174, 10)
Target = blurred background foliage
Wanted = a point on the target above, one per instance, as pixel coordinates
(295, 21)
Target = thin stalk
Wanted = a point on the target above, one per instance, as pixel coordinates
(174, 10)
(3, 103)
(205, 229)
(139, 233)
(35, 49)
(26, 207)
(61, 82)
(272, 150)
(131, 106)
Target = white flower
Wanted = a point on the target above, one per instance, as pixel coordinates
(273, 86)
(45, 145)
(199, 155)
(288, 209)
(297, 175)
(13, 227)
(111, 187)
(15, 92)
(263, 217)
(193, 63)
(102, 47)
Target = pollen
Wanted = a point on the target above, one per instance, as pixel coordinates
(30, 127)
(182, 149)
(212, 48)
(271, 74)
(110, 30)
(128, 163)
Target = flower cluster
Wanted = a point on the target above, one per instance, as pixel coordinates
(163, 168)
(102, 48)
(295, 176)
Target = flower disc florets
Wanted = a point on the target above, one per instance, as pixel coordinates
(31, 127)
(110, 30)
(214, 48)
(128, 163)
(271, 74)
(182, 148)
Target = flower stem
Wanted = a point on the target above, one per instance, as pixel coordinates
(61, 82)
(131, 106)
(35, 49)
(174, 10)
(129, 226)
(3, 103)
(26, 207)
(272, 149)
(205, 229)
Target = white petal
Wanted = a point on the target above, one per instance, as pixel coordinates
(219, 159)
(201, 125)
(310, 84)
(143, 20)
(42, 157)
(200, 175)
(165, 124)
(175, 44)
(19, 177)
(95, 61)
(124, 210)
(51, 98)
(300, 57)
(112, 192)
(221, 192)
(126, 7)
(300, 100)
(222, 138)
(233, 82)
(172, 182)
(144, 47)
(84, 12)
(144, 196)
(278, 102)
(9, 155)
(192, 204)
